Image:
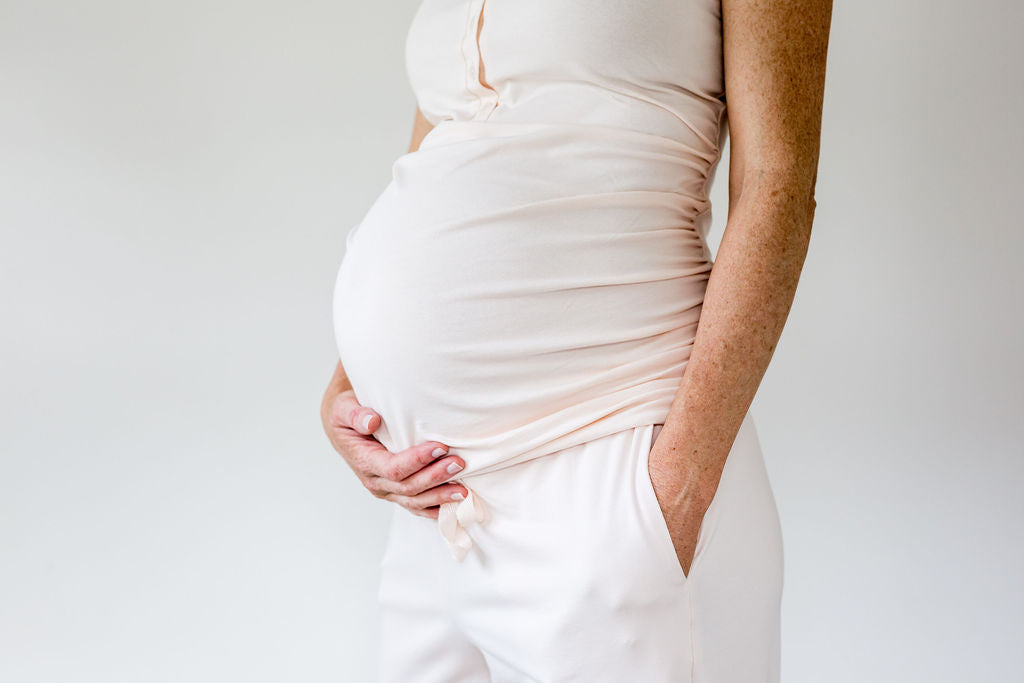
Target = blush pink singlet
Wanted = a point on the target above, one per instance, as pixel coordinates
(532, 277)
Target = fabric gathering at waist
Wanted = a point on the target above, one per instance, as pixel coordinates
(452, 130)
(641, 161)
(587, 420)
(456, 519)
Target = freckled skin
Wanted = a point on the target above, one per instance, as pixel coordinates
(774, 56)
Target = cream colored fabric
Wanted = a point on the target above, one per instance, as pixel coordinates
(529, 284)
(532, 276)
(574, 578)
(454, 519)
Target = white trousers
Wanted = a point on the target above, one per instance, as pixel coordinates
(573, 576)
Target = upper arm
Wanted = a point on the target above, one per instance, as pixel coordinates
(774, 57)
(420, 128)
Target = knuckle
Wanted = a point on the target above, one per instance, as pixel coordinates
(337, 417)
(361, 465)
(393, 471)
(374, 488)
(341, 407)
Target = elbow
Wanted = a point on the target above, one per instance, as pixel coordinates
(812, 202)
(784, 185)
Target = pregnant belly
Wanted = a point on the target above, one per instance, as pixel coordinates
(523, 291)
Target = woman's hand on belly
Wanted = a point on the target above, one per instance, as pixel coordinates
(414, 478)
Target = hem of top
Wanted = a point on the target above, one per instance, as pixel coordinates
(620, 422)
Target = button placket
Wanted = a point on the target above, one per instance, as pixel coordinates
(487, 97)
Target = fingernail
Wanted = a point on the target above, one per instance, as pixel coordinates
(366, 423)
(458, 496)
(454, 467)
(438, 452)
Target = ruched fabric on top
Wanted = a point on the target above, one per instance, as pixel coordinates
(532, 276)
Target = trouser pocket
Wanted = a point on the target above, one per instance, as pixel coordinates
(656, 516)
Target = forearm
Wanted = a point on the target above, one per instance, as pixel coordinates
(338, 384)
(420, 127)
(747, 301)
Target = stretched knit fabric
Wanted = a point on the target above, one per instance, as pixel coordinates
(532, 276)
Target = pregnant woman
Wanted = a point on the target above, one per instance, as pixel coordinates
(539, 358)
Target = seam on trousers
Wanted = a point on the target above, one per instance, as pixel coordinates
(693, 648)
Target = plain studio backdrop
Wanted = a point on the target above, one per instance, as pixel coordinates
(178, 179)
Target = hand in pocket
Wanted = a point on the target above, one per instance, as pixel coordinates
(684, 497)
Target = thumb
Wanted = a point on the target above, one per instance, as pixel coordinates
(348, 412)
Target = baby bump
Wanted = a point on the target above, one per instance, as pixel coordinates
(485, 291)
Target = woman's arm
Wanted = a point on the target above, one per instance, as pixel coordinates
(774, 53)
(420, 128)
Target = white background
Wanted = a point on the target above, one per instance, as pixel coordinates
(176, 183)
